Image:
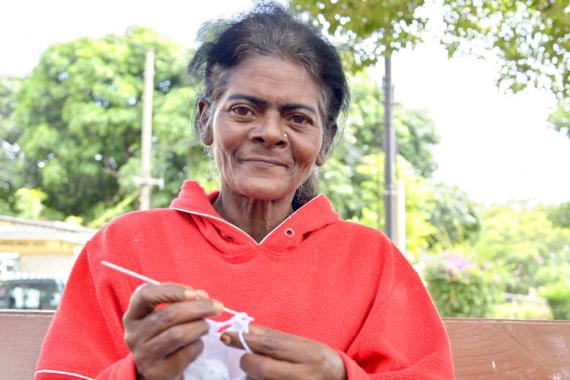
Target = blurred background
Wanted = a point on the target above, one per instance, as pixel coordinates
(480, 117)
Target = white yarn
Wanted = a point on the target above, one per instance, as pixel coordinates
(218, 361)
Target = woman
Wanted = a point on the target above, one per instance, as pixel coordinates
(331, 299)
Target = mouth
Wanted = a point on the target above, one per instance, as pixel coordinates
(264, 161)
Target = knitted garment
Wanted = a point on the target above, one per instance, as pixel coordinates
(316, 276)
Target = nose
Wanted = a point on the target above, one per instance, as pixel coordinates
(269, 131)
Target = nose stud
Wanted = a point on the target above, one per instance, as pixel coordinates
(285, 134)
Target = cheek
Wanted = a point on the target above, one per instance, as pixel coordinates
(226, 140)
(223, 154)
(308, 150)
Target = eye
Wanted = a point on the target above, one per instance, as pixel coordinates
(300, 119)
(241, 111)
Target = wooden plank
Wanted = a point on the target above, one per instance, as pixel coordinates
(483, 349)
(21, 335)
(487, 349)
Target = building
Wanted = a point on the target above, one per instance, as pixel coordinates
(40, 247)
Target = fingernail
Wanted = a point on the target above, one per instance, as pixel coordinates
(202, 294)
(226, 339)
(218, 305)
(190, 294)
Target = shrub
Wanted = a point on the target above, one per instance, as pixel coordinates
(558, 296)
(461, 288)
(522, 310)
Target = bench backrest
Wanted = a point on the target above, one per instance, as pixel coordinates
(483, 349)
(21, 335)
(490, 349)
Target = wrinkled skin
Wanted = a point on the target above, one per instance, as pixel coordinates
(165, 340)
(277, 355)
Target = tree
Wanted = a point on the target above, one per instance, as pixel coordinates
(436, 216)
(454, 217)
(29, 203)
(531, 38)
(78, 125)
(11, 158)
(363, 135)
(560, 215)
(415, 132)
(79, 114)
(560, 120)
(520, 238)
(8, 87)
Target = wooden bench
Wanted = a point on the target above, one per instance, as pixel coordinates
(483, 349)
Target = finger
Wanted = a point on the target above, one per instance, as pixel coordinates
(272, 343)
(264, 367)
(176, 337)
(176, 363)
(179, 313)
(147, 297)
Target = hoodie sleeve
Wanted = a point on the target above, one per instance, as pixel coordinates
(403, 336)
(85, 338)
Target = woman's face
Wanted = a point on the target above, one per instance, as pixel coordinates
(266, 130)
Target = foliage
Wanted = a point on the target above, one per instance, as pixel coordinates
(520, 238)
(11, 158)
(378, 27)
(461, 288)
(29, 203)
(558, 296)
(454, 217)
(415, 135)
(78, 119)
(522, 310)
(367, 182)
(560, 215)
(120, 208)
(8, 87)
(415, 132)
(353, 176)
(555, 271)
(560, 119)
(530, 37)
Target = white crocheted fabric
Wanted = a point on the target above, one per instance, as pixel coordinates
(218, 361)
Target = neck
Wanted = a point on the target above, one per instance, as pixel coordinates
(257, 218)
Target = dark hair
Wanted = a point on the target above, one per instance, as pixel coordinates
(271, 30)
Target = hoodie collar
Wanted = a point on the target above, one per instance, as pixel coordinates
(232, 241)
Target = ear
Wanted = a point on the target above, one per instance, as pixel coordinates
(204, 126)
(326, 145)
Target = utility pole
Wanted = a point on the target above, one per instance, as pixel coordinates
(145, 181)
(401, 216)
(390, 191)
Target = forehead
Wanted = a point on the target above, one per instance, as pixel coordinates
(273, 79)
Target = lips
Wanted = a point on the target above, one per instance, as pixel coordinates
(264, 161)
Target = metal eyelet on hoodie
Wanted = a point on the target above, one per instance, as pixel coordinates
(289, 232)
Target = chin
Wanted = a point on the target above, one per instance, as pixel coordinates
(266, 190)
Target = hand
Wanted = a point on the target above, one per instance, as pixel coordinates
(165, 340)
(282, 356)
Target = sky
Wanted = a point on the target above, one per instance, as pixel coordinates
(495, 146)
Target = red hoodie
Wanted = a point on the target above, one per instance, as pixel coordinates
(314, 275)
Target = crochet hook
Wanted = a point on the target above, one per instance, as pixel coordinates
(146, 279)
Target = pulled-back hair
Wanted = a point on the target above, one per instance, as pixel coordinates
(270, 30)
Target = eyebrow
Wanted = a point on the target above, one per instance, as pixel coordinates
(264, 103)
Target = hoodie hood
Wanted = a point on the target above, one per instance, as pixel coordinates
(235, 243)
